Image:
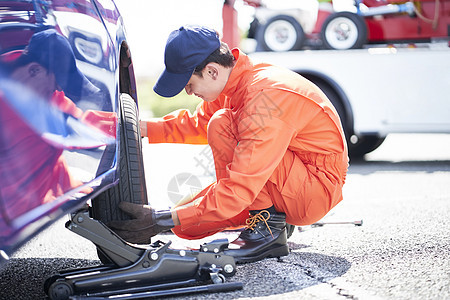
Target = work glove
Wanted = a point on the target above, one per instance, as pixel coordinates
(145, 223)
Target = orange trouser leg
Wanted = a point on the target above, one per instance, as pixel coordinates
(208, 229)
(222, 132)
(292, 189)
(222, 140)
(297, 191)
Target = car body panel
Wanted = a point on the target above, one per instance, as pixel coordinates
(62, 165)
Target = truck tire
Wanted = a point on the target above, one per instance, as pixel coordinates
(344, 30)
(131, 186)
(280, 33)
(364, 143)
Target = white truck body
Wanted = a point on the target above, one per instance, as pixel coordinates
(382, 89)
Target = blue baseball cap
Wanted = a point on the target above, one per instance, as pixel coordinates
(186, 48)
(53, 51)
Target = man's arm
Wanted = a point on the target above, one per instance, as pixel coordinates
(181, 126)
(143, 126)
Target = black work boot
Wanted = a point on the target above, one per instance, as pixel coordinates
(264, 236)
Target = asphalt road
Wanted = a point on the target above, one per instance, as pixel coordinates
(402, 250)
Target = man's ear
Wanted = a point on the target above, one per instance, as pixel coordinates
(212, 71)
(34, 69)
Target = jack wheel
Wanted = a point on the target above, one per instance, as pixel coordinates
(50, 281)
(218, 279)
(60, 290)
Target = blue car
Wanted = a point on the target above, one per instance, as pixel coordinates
(69, 125)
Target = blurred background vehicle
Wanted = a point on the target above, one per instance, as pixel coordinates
(378, 90)
(347, 24)
(69, 125)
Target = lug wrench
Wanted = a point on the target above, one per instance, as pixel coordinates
(320, 224)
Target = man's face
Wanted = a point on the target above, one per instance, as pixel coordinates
(209, 86)
(37, 78)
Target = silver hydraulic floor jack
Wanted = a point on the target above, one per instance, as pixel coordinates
(137, 271)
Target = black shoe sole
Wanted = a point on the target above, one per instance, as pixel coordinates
(274, 252)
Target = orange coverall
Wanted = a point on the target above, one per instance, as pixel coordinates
(276, 140)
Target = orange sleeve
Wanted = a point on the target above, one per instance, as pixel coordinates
(183, 127)
(65, 104)
(261, 148)
(105, 121)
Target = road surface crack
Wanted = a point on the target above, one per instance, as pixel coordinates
(308, 271)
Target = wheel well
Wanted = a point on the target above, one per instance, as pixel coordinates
(336, 96)
(127, 81)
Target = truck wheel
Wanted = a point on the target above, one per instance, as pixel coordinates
(364, 145)
(344, 30)
(281, 33)
(131, 186)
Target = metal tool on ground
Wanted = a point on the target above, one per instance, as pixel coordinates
(320, 224)
(141, 271)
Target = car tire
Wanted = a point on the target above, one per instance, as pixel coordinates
(131, 186)
(281, 33)
(344, 30)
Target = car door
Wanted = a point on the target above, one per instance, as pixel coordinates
(58, 96)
